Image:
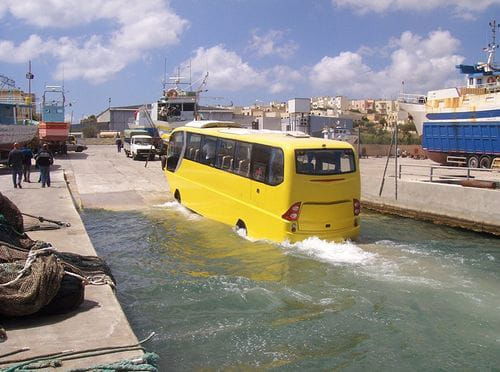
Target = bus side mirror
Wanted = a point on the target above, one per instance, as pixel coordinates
(172, 162)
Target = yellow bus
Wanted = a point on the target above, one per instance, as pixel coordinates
(276, 185)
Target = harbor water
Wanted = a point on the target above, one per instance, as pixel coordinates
(407, 296)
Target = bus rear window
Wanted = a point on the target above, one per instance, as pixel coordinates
(325, 161)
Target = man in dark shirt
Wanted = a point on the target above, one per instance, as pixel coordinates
(16, 160)
(119, 144)
(43, 161)
(28, 155)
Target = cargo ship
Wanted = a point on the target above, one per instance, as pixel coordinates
(461, 125)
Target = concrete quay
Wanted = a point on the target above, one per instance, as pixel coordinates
(453, 205)
(103, 178)
(99, 321)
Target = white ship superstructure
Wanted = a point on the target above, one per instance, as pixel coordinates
(462, 123)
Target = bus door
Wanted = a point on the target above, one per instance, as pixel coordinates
(240, 165)
(266, 173)
(174, 152)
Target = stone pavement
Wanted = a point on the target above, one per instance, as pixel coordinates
(103, 178)
(100, 321)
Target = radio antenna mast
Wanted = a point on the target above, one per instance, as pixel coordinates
(165, 74)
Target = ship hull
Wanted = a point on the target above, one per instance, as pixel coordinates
(417, 112)
(10, 134)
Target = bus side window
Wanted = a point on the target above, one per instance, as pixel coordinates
(174, 152)
(260, 162)
(225, 154)
(192, 146)
(276, 172)
(241, 164)
(267, 164)
(208, 147)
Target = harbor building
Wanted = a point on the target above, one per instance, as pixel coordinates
(362, 105)
(118, 118)
(16, 105)
(335, 106)
(302, 118)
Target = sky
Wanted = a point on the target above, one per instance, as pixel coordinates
(255, 51)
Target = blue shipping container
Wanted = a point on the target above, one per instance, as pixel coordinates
(468, 138)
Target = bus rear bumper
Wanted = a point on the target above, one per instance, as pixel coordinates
(334, 236)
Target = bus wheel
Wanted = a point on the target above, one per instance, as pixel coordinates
(241, 227)
(485, 162)
(177, 196)
(473, 162)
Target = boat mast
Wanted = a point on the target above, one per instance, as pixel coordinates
(490, 64)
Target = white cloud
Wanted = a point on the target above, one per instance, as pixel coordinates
(460, 8)
(271, 44)
(422, 63)
(3, 9)
(283, 78)
(340, 70)
(30, 48)
(227, 71)
(140, 27)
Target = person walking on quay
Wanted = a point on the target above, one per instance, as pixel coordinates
(119, 144)
(16, 160)
(28, 155)
(44, 160)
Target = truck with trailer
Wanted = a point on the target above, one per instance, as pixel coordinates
(53, 130)
(138, 143)
(475, 145)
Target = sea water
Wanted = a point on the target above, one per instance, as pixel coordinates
(407, 296)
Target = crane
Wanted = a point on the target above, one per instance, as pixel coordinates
(6, 82)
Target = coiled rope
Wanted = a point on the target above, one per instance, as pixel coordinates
(70, 355)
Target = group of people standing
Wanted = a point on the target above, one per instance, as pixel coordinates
(20, 160)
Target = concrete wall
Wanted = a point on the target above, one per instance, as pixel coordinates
(216, 115)
(381, 150)
(454, 205)
(269, 123)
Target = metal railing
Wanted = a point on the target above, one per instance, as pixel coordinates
(463, 172)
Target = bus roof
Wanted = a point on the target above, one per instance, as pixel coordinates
(212, 124)
(268, 137)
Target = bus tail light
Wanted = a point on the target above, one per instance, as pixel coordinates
(292, 214)
(356, 206)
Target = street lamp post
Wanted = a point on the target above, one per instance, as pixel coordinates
(30, 77)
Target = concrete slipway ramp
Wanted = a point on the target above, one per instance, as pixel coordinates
(99, 322)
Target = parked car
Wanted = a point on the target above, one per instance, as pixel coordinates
(73, 145)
